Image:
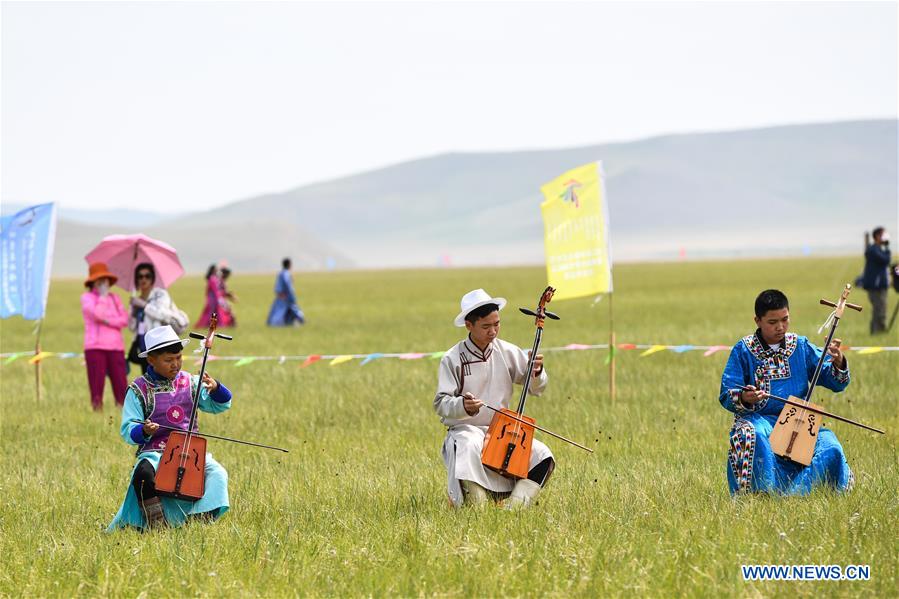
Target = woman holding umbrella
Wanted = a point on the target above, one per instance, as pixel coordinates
(147, 267)
(104, 349)
(151, 307)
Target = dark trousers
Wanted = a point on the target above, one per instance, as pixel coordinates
(100, 364)
(878, 299)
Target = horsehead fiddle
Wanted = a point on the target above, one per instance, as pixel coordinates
(796, 431)
(182, 467)
(507, 444)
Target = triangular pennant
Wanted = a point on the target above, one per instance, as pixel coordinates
(41, 356)
(714, 349)
(340, 360)
(411, 356)
(652, 350)
(577, 346)
(870, 350)
(612, 351)
(245, 361)
(310, 360)
(12, 358)
(682, 348)
(436, 355)
(370, 357)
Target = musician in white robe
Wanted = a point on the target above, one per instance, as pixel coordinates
(479, 370)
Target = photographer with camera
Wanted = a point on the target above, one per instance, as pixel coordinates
(876, 278)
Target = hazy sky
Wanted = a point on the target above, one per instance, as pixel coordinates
(187, 105)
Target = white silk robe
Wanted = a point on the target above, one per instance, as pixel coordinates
(489, 376)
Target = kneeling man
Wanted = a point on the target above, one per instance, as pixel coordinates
(479, 370)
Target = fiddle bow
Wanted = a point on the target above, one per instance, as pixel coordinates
(507, 445)
(182, 467)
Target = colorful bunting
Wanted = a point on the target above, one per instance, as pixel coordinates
(610, 355)
(335, 360)
(370, 358)
(41, 356)
(871, 350)
(652, 350)
(15, 356)
(574, 346)
(311, 360)
(714, 349)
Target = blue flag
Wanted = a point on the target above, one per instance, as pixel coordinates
(26, 251)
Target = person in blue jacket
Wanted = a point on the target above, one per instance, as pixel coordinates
(776, 362)
(876, 277)
(284, 311)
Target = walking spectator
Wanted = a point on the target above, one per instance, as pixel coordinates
(285, 311)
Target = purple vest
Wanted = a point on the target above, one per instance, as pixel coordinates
(168, 405)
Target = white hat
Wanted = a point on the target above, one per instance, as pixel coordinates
(474, 300)
(161, 337)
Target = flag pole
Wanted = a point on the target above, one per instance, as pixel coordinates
(37, 365)
(611, 350)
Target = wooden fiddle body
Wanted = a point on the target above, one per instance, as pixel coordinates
(182, 468)
(507, 445)
(795, 432)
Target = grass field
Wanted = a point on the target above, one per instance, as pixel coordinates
(358, 506)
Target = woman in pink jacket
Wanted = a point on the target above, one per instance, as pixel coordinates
(104, 349)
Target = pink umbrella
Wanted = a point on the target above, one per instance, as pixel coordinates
(122, 253)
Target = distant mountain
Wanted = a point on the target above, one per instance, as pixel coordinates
(780, 190)
(790, 189)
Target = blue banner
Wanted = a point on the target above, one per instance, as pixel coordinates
(26, 251)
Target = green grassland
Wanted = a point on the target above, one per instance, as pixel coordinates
(358, 506)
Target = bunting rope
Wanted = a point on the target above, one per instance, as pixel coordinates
(306, 360)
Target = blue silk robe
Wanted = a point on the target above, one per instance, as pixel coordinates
(284, 310)
(785, 371)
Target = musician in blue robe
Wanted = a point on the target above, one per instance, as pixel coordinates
(284, 311)
(776, 362)
(164, 396)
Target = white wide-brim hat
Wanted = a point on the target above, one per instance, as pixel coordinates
(474, 300)
(161, 337)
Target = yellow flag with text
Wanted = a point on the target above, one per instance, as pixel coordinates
(576, 233)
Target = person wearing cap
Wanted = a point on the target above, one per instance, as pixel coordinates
(104, 347)
(482, 369)
(876, 277)
(164, 396)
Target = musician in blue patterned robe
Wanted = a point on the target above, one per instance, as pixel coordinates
(776, 362)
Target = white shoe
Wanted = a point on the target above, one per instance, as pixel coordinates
(523, 493)
(474, 493)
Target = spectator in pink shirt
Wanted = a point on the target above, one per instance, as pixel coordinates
(104, 349)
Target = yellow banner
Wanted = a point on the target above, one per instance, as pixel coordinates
(576, 233)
